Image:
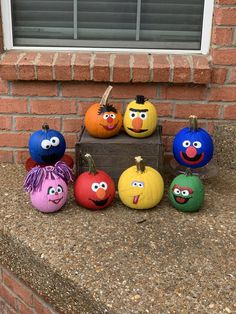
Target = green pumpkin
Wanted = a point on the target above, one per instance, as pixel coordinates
(186, 192)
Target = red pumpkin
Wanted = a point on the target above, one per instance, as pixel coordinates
(103, 120)
(94, 189)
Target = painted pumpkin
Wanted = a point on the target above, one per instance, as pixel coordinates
(47, 186)
(47, 146)
(140, 186)
(193, 146)
(103, 120)
(186, 192)
(94, 189)
(140, 118)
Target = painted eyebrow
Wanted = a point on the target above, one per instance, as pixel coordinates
(138, 110)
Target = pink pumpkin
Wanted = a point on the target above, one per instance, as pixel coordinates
(48, 186)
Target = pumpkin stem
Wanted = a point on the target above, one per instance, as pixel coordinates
(188, 172)
(91, 164)
(140, 164)
(105, 96)
(45, 127)
(193, 123)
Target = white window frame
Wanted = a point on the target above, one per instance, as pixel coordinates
(205, 40)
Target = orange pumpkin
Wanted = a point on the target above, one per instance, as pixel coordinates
(103, 120)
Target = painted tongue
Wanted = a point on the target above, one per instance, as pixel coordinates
(180, 199)
(135, 199)
(111, 127)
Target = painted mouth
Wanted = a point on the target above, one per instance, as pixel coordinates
(49, 158)
(135, 199)
(56, 201)
(100, 203)
(181, 200)
(191, 161)
(109, 127)
(137, 131)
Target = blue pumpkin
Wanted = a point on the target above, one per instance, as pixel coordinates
(46, 146)
(192, 146)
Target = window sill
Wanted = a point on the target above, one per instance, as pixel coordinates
(105, 67)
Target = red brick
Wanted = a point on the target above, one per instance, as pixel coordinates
(53, 106)
(6, 156)
(164, 109)
(224, 93)
(230, 112)
(5, 123)
(233, 76)
(7, 295)
(35, 123)
(70, 139)
(23, 308)
(224, 56)
(121, 68)
(222, 36)
(161, 68)
(72, 124)
(131, 90)
(62, 66)
(218, 75)
(141, 68)
(3, 87)
(101, 68)
(13, 139)
(8, 69)
(205, 111)
(17, 287)
(168, 143)
(26, 66)
(201, 70)
(41, 307)
(83, 89)
(44, 66)
(81, 66)
(29, 88)
(6, 309)
(182, 71)
(225, 16)
(13, 105)
(83, 107)
(21, 156)
(184, 92)
(227, 2)
(171, 127)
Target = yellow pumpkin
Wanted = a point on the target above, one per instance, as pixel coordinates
(140, 186)
(140, 118)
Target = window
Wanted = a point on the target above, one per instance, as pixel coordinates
(132, 24)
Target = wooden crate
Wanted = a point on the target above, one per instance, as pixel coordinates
(116, 154)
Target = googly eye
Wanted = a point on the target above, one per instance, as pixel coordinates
(59, 189)
(55, 141)
(51, 190)
(185, 193)
(112, 115)
(133, 115)
(46, 144)
(186, 143)
(95, 186)
(106, 116)
(103, 185)
(143, 115)
(197, 144)
(176, 191)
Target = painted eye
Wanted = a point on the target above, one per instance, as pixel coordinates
(59, 189)
(103, 185)
(51, 190)
(185, 193)
(133, 115)
(140, 184)
(137, 184)
(176, 191)
(134, 183)
(106, 116)
(46, 144)
(186, 143)
(95, 186)
(143, 115)
(55, 141)
(112, 115)
(197, 144)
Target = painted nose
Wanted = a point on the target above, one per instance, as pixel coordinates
(101, 193)
(191, 152)
(56, 193)
(109, 119)
(137, 123)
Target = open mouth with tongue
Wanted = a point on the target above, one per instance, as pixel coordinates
(56, 201)
(135, 199)
(195, 159)
(110, 127)
(181, 200)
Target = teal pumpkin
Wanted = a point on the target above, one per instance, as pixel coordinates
(186, 192)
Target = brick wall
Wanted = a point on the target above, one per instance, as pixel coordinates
(17, 298)
(58, 87)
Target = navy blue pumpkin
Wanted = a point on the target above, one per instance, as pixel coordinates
(193, 146)
(46, 146)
